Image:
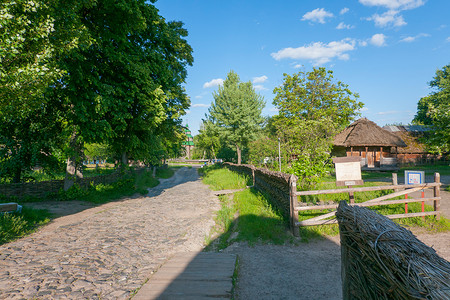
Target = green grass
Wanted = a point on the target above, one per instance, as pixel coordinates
(219, 178)
(16, 225)
(165, 172)
(308, 232)
(248, 214)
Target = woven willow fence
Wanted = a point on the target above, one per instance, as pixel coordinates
(45, 188)
(381, 260)
(280, 188)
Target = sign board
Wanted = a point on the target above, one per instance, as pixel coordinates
(348, 170)
(414, 177)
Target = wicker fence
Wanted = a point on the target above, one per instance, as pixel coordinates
(280, 187)
(44, 188)
(381, 260)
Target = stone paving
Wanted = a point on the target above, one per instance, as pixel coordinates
(108, 252)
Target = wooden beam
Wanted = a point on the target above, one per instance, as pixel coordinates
(369, 188)
(396, 194)
(398, 216)
(366, 204)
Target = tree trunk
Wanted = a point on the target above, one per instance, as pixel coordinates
(239, 154)
(124, 159)
(17, 175)
(74, 167)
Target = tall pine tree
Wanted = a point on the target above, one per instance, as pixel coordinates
(236, 110)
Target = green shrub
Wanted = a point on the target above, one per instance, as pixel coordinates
(16, 225)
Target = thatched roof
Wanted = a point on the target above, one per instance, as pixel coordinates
(366, 133)
(411, 135)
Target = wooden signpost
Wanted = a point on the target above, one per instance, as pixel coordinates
(348, 172)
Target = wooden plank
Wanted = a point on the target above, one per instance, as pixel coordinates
(396, 194)
(8, 207)
(397, 216)
(192, 276)
(366, 204)
(225, 192)
(368, 188)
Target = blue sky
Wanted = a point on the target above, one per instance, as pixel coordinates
(385, 50)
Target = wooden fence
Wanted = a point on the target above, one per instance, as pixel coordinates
(282, 189)
(384, 200)
(44, 188)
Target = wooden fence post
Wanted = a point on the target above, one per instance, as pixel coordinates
(293, 203)
(437, 193)
(395, 180)
(253, 177)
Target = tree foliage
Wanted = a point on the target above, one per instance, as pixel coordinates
(112, 72)
(236, 111)
(313, 107)
(434, 110)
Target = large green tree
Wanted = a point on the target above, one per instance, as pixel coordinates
(236, 110)
(312, 108)
(207, 141)
(434, 110)
(112, 72)
(29, 123)
(124, 86)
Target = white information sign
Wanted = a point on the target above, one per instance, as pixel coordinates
(348, 171)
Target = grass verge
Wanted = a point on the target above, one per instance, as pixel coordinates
(245, 216)
(15, 225)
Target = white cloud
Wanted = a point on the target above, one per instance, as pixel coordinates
(260, 79)
(213, 83)
(363, 109)
(200, 105)
(448, 39)
(317, 15)
(390, 17)
(298, 66)
(378, 40)
(394, 4)
(344, 26)
(318, 52)
(390, 112)
(344, 11)
(259, 87)
(410, 39)
(362, 43)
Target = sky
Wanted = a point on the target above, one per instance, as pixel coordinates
(387, 51)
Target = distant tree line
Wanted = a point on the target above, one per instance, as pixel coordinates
(434, 111)
(312, 108)
(94, 76)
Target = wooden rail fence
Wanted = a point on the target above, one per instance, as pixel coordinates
(282, 190)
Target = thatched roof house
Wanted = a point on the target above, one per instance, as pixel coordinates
(372, 143)
(415, 151)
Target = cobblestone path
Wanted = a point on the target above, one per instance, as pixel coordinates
(108, 252)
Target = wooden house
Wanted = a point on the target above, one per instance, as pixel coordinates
(415, 151)
(377, 147)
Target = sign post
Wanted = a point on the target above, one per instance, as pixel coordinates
(348, 172)
(415, 177)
